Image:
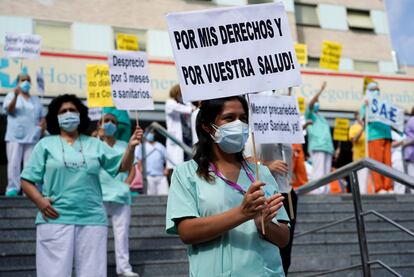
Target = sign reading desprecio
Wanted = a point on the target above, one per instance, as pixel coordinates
(275, 119)
(243, 50)
(22, 46)
(385, 112)
(130, 82)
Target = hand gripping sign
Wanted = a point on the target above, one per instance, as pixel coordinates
(243, 50)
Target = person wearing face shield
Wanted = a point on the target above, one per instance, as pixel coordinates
(320, 145)
(379, 144)
(216, 202)
(71, 225)
(117, 196)
(25, 126)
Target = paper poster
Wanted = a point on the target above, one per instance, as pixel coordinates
(331, 55)
(243, 50)
(98, 86)
(385, 112)
(301, 53)
(341, 129)
(130, 82)
(127, 42)
(301, 103)
(275, 119)
(22, 46)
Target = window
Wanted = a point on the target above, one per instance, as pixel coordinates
(313, 62)
(141, 34)
(306, 15)
(366, 66)
(359, 20)
(54, 34)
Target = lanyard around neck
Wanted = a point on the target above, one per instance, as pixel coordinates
(231, 183)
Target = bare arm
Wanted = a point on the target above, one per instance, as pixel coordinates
(198, 230)
(131, 175)
(128, 157)
(315, 98)
(42, 203)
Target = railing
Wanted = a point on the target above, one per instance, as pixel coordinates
(154, 126)
(351, 171)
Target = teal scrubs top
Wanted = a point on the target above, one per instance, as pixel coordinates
(74, 188)
(376, 130)
(114, 189)
(319, 133)
(23, 124)
(239, 252)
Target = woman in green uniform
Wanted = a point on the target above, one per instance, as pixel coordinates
(72, 222)
(117, 196)
(216, 202)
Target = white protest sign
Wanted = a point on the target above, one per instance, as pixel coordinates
(275, 119)
(130, 82)
(382, 111)
(40, 81)
(233, 51)
(22, 46)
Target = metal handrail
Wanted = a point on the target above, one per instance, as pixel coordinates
(351, 171)
(154, 126)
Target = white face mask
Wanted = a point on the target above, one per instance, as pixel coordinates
(231, 137)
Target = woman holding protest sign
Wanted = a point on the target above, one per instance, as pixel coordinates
(216, 202)
(117, 196)
(72, 222)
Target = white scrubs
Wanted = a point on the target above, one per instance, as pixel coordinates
(22, 133)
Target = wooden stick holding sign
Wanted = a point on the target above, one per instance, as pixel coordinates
(256, 162)
(291, 212)
(136, 118)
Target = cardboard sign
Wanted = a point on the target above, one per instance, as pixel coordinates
(331, 55)
(301, 103)
(97, 83)
(382, 111)
(40, 82)
(130, 82)
(244, 49)
(367, 80)
(275, 119)
(301, 53)
(22, 46)
(127, 42)
(341, 129)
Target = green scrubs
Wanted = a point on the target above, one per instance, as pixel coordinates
(239, 252)
(376, 130)
(319, 133)
(114, 189)
(74, 188)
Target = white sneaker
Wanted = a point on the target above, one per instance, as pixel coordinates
(383, 191)
(129, 274)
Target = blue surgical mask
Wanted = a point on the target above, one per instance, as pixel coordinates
(231, 137)
(109, 129)
(69, 121)
(25, 86)
(150, 137)
(374, 92)
(316, 107)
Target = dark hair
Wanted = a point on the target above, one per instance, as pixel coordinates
(209, 110)
(23, 75)
(56, 104)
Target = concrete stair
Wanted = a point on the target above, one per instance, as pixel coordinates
(154, 253)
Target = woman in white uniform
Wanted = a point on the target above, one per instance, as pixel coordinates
(25, 126)
(117, 196)
(173, 111)
(72, 222)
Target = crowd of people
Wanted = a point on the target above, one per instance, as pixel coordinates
(216, 198)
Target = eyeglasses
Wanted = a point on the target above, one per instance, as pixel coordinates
(75, 165)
